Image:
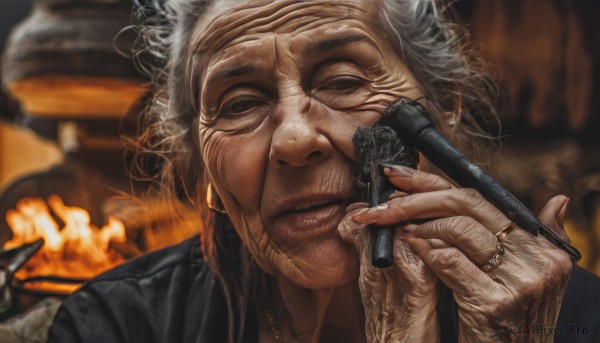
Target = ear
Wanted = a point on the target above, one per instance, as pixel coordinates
(454, 107)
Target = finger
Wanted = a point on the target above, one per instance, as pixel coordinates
(397, 194)
(353, 233)
(465, 233)
(553, 215)
(415, 181)
(357, 235)
(410, 273)
(452, 267)
(349, 229)
(444, 203)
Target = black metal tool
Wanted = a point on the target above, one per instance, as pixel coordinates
(374, 146)
(411, 121)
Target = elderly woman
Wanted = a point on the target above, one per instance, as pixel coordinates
(253, 120)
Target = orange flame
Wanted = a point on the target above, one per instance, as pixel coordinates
(78, 250)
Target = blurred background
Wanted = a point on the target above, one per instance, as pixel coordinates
(67, 98)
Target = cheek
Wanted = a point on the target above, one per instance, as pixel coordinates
(391, 79)
(388, 89)
(342, 126)
(341, 123)
(236, 165)
(396, 80)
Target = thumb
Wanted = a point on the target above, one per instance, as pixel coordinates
(553, 215)
(348, 229)
(357, 235)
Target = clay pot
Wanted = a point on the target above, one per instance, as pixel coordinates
(61, 61)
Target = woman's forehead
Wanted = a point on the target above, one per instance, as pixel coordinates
(233, 22)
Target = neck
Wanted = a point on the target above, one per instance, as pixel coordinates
(306, 315)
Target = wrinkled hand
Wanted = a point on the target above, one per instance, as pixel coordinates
(399, 301)
(459, 238)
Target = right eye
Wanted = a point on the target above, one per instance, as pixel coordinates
(242, 100)
(241, 106)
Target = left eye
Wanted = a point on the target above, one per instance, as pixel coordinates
(342, 83)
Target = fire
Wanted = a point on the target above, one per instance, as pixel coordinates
(77, 250)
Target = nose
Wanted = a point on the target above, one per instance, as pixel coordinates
(297, 138)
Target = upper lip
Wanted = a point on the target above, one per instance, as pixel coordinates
(305, 202)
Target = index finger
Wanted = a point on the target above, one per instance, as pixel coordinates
(415, 181)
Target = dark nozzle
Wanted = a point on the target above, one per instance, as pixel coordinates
(381, 245)
(411, 121)
(407, 117)
(375, 147)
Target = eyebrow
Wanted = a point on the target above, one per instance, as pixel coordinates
(325, 45)
(312, 48)
(244, 69)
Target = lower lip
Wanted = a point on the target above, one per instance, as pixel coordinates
(310, 222)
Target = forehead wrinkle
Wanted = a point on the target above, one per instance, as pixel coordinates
(317, 47)
(286, 17)
(226, 63)
(232, 52)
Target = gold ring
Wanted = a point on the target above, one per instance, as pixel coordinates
(495, 260)
(504, 232)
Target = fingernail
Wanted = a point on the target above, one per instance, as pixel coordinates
(409, 227)
(402, 235)
(380, 207)
(564, 205)
(369, 215)
(402, 171)
(397, 194)
(562, 212)
(385, 168)
(356, 206)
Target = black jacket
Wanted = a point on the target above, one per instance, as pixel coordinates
(170, 296)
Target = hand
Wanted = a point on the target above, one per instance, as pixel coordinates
(526, 287)
(399, 301)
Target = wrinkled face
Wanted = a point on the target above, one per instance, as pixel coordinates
(284, 86)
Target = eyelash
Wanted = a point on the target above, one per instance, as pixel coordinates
(336, 80)
(249, 101)
(332, 84)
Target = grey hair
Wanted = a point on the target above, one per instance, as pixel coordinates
(434, 48)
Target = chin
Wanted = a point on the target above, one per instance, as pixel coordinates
(324, 264)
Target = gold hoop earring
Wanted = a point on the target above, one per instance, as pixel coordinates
(452, 119)
(213, 201)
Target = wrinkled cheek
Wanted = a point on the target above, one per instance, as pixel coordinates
(212, 146)
(388, 88)
(267, 252)
(345, 120)
(374, 99)
(253, 233)
(236, 167)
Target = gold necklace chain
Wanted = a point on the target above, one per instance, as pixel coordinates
(268, 309)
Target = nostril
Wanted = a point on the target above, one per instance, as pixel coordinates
(313, 155)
